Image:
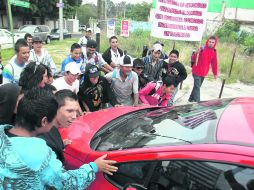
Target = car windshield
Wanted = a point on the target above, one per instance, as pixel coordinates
(27, 29)
(188, 124)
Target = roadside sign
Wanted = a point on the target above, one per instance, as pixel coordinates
(60, 5)
(125, 28)
(20, 3)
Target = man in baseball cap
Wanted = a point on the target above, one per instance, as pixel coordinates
(91, 56)
(95, 91)
(70, 79)
(124, 82)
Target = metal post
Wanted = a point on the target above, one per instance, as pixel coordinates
(61, 20)
(229, 74)
(10, 20)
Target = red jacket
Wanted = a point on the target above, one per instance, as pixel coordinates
(206, 57)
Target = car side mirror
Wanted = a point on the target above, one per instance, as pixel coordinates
(134, 186)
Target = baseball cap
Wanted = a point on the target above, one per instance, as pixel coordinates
(92, 71)
(138, 63)
(91, 44)
(126, 61)
(158, 42)
(37, 39)
(73, 68)
(157, 47)
(89, 29)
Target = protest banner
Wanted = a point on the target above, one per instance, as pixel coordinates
(179, 19)
(125, 28)
(110, 28)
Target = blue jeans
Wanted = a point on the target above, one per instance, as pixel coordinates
(171, 100)
(195, 94)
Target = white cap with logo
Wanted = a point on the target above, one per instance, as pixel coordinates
(73, 68)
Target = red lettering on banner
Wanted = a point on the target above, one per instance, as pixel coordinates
(181, 4)
(182, 12)
(177, 27)
(170, 18)
(194, 20)
(177, 34)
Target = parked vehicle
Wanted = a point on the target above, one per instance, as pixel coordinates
(55, 34)
(6, 38)
(207, 145)
(36, 30)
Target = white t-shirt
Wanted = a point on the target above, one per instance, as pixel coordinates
(61, 84)
(115, 57)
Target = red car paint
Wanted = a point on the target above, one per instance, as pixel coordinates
(234, 140)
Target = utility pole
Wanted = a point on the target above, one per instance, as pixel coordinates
(61, 5)
(10, 19)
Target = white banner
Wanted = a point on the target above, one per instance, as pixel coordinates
(110, 28)
(180, 19)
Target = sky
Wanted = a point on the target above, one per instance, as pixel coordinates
(118, 1)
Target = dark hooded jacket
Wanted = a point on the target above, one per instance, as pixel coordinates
(8, 98)
(206, 57)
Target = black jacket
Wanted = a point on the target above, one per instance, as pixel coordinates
(55, 142)
(94, 95)
(177, 70)
(107, 55)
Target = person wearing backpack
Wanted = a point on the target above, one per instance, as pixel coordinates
(157, 93)
(207, 56)
(91, 56)
(16, 65)
(124, 82)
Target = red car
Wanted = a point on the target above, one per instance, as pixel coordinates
(203, 146)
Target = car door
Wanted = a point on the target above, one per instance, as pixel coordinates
(183, 175)
(180, 171)
(5, 39)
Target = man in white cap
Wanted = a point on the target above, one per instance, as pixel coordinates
(70, 79)
(124, 82)
(87, 36)
(153, 64)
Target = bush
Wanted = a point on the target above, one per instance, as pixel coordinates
(248, 43)
(228, 32)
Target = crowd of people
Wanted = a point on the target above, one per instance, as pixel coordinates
(36, 99)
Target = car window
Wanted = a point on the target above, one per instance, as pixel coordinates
(184, 175)
(44, 28)
(28, 29)
(188, 124)
(1, 33)
(8, 34)
(136, 172)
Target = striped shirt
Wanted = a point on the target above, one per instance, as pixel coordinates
(12, 71)
(154, 71)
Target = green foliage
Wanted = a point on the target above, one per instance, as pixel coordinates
(228, 31)
(85, 12)
(138, 12)
(248, 42)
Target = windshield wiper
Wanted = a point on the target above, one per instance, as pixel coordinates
(153, 134)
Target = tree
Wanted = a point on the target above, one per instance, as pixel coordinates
(139, 12)
(85, 12)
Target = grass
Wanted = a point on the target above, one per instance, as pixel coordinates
(243, 68)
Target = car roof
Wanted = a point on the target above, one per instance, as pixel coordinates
(236, 125)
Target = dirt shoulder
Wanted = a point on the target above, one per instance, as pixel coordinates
(211, 89)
